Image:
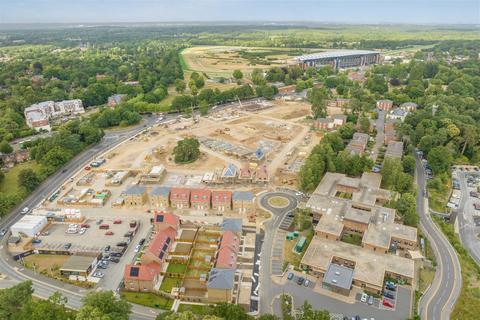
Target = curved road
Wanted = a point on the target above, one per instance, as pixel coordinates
(439, 300)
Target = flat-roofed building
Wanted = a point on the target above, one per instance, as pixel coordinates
(135, 196)
(154, 176)
(340, 59)
(369, 267)
(394, 150)
(338, 279)
(78, 266)
(358, 144)
(159, 197)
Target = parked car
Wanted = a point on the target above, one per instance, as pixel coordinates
(387, 303)
(141, 242)
(370, 300)
(83, 230)
(3, 232)
(116, 254)
(109, 233)
(122, 244)
(101, 266)
(137, 248)
(84, 225)
(99, 221)
(88, 168)
(67, 246)
(107, 248)
(290, 276)
(117, 221)
(35, 241)
(98, 274)
(306, 283)
(389, 295)
(300, 281)
(474, 194)
(115, 260)
(104, 226)
(364, 297)
(25, 210)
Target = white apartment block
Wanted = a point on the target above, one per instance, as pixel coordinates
(39, 114)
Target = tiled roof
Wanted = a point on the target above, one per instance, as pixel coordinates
(160, 191)
(135, 190)
(221, 196)
(221, 279)
(166, 218)
(162, 242)
(139, 272)
(180, 194)
(200, 195)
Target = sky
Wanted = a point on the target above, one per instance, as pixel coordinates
(328, 11)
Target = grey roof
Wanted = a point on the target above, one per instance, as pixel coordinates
(335, 54)
(339, 276)
(230, 224)
(399, 112)
(221, 279)
(78, 263)
(135, 190)
(242, 195)
(160, 191)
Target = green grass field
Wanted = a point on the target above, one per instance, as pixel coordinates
(194, 308)
(176, 268)
(169, 283)
(9, 185)
(147, 299)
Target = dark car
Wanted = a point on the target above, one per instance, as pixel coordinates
(300, 280)
(141, 242)
(107, 248)
(122, 244)
(116, 254)
(102, 266)
(67, 245)
(389, 295)
(36, 241)
(115, 260)
(391, 287)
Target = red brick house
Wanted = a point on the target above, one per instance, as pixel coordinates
(141, 278)
(221, 200)
(180, 198)
(261, 174)
(158, 248)
(200, 199)
(385, 104)
(164, 220)
(228, 251)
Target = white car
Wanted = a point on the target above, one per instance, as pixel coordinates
(364, 297)
(25, 210)
(98, 274)
(82, 230)
(137, 248)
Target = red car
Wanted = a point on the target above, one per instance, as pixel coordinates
(387, 303)
(118, 221)
(109, 233)
(88, 168)
(84, 225)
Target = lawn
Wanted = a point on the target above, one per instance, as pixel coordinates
(199, 309)
(438, 199)
(45, 262)
(176, 268)
(169, 283)
(352, 239)
(468, 304)
(278, 202)
(9, 185)
(292, 257)
(147, 299)
(426, 278)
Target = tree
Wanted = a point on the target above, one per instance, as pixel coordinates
(5, 147)
(13, 299)
(346, 131)
(440, 159)
(180, 85)
(407, 209)
(103, 305)
(364, 124)
(391, 170)
(306, 312)
(28, 179)
(187, 150)
(229, 311)
(318, 98)
(409, 164)
(377, 84)
(203, 107)
(237, 74)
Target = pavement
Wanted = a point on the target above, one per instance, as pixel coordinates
(438, 301)
(468, 230)
(380, 137)
(272, 286)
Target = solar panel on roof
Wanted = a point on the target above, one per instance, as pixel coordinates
(165, 247)
(134, 271)
(160, 218)
(161, 255)
(168, 240)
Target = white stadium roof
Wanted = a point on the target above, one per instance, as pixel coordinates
(334, 54)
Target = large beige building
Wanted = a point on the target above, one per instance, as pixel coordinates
(352, 207)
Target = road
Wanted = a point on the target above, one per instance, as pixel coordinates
(380, 137)
(439, 300)
(467, 228)
(44, 286)
(270, 290)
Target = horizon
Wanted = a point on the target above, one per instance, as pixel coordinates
(375, 12)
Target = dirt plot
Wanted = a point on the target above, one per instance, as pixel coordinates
(223, 60)
(288, 110)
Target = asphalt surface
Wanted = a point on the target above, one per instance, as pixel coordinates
(43, 286)
(467, 228)
(439, 300)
